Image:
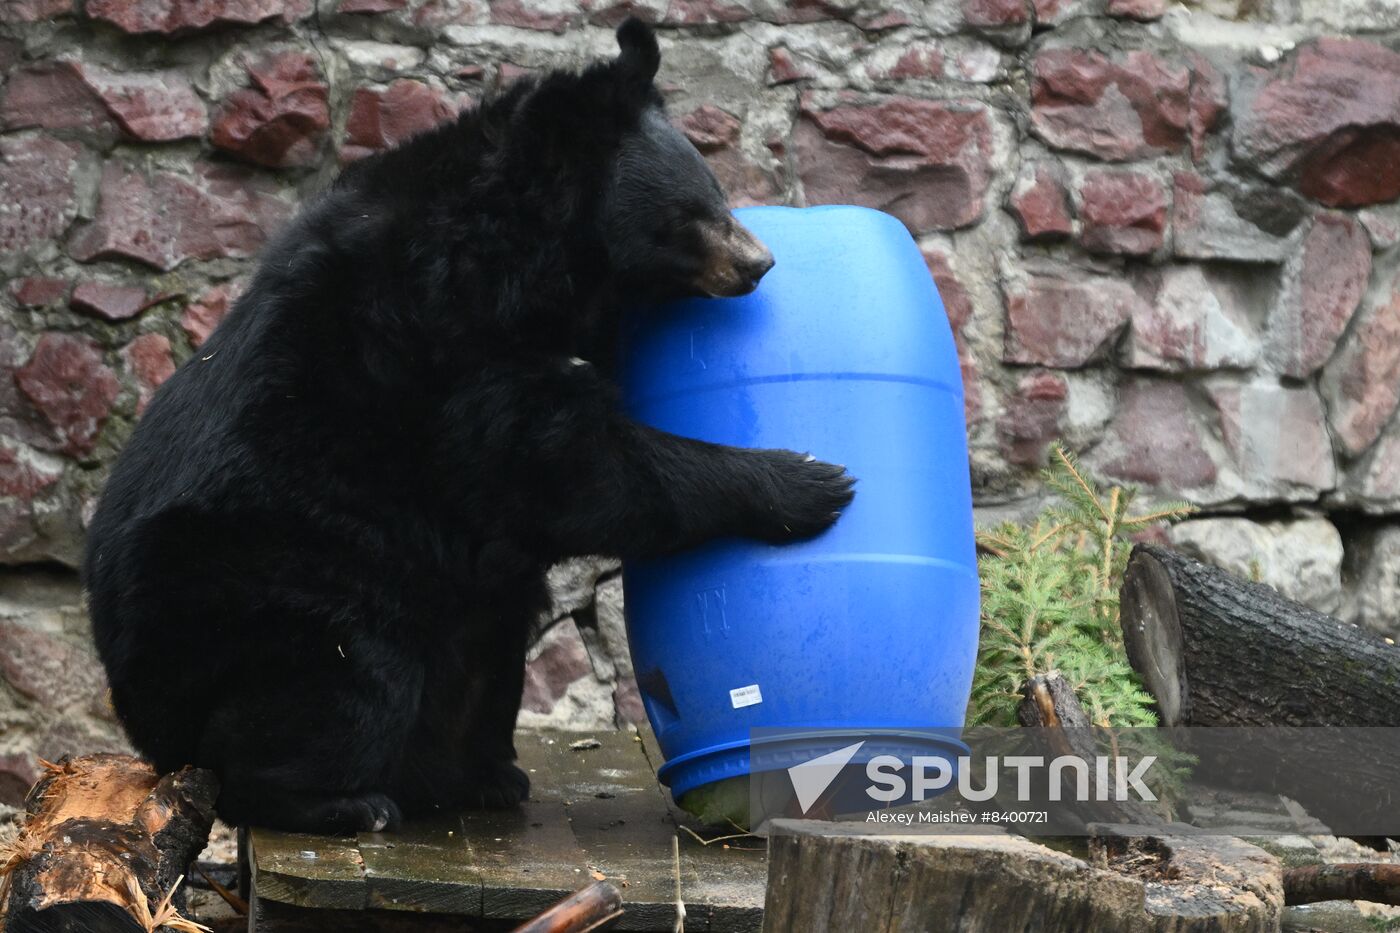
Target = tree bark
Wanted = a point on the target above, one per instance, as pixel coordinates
(826, 878)
(104, 842)
(1378, 882)
(1048, 702)
(1215, 650)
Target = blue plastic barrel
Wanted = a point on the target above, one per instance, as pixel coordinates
(844, 350)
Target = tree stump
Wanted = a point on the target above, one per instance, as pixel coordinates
(104, 844)
(825, 878)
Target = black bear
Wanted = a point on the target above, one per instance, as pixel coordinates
(317, 563)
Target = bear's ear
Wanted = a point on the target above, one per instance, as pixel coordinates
(641, 56)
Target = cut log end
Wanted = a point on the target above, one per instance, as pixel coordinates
(1152, 634)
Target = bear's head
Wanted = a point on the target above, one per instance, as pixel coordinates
(664, 218)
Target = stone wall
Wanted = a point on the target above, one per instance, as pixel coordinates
(1167, 236)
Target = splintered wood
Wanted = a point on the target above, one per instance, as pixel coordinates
(106, 842)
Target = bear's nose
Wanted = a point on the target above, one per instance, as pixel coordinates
(751, 258)
(756, 266)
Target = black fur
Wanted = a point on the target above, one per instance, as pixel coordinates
(316, 565)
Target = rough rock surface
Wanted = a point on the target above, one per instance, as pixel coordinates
(379, 119)
(1362, 383)
(1322, 285)
(1302, 558)
(923, 161)
(1066, 322)
(280, 120)
(1329, 120)
(1122, 212)
(1373, 600)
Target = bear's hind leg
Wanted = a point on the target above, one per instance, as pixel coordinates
(249, 803)
(312, 752)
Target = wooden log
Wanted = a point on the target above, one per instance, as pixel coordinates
(1215, 650)
(592, 908)
(104, 845)
(1048, 702)
(1378, 882)
(825, 878)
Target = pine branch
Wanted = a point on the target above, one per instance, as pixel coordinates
(1050, 599)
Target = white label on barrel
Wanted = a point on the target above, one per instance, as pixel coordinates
(745, 696)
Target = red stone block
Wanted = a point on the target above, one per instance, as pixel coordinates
(1322, 286)
(164, 219)
(48, 669)
(155, 106)
(280, 121)
(1137, 9)
(36, 182)
(23, 472)
(1085, 101)
(38, 291)
(541, 15)
(562, 659)
(71, 387)
(996, 12)
(710, 128)
(381, 119)
(1328, 116)
(178, 16)
(370, 7)
(436, 14)
(150, 363)
(205, 312)
(1245, 222)
(1209, 98)
(54, 96)
(1154, 438)
(785, 68)
(927, 162)
(1033, 418)
(1122, 212)
(109, 301)
(917, 61)
(1065, 322)
(956, 302)
(1362, 383)
(1040, 203)
(1198, 319)
(706, 12)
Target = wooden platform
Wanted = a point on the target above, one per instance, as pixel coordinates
(592, 812)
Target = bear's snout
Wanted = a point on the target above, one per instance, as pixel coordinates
(735, 260)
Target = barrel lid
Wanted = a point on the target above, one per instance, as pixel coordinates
(849, 296)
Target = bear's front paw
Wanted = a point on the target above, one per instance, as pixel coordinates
(496, 785)
(808, 496)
